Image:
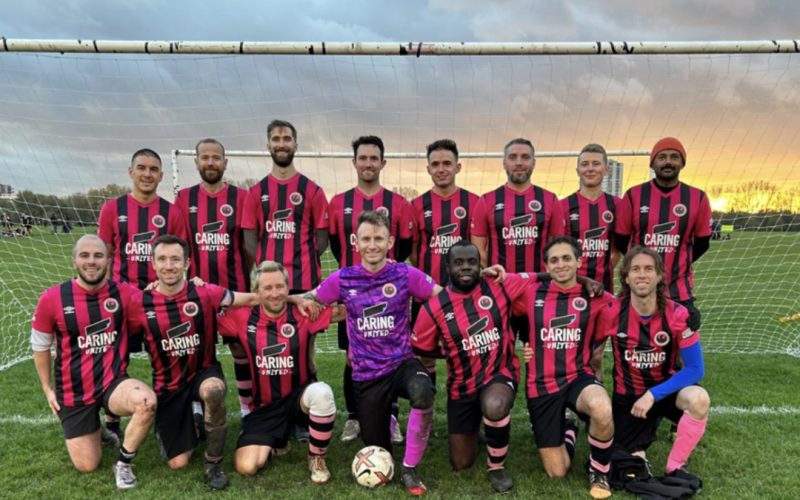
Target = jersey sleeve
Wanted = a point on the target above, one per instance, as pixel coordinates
(419, 219)
(479, 225)
(105, 223)
(177, 224)
(251, 210)
(232, 321)
(702, 226)
(622, 219)
(319, 209)
(44, 319)
(424, 335)
(515, 284)
(334, 208)
(420, 284)
(328, 291)
(603, 320)
(135, 314)
(686, 336)
(218, 297)
(406, 224)
(322, 322)
(519, 306)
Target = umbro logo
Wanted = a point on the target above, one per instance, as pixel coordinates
(352, 292)
(574, 216)
(193, 209)
(251, 328)
(622, 335)
(428, 213)
(264, 198)
(499, 207)
(69, 310)
(450, 316)
(644, 209)
(122, 218)
(348, 211)
(539, 303)
(150, 314)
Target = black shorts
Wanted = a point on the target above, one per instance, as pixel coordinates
(694, 314)
(271, 425)
(464, 415)
(547, 412)
(174, 420)
(374, 400)
(637, 434)
(77, 421)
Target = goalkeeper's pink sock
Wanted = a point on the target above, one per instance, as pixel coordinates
(417, 433)
(690, 431)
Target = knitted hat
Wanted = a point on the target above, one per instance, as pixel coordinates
(668, 143)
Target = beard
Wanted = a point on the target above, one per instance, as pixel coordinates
(285, 162)
(211, 176)
(101, 275)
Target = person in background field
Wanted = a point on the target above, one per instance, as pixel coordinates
(345, 209)
(86, 318)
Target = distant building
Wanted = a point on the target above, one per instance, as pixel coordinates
(612, 183)
(7, 192)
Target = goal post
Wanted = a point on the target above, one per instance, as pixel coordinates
(73, 111)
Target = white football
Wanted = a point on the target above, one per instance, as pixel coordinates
(373, 467)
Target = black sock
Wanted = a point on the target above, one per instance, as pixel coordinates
(113, 425)
(125, 455)
(349, 393)
(570, 436)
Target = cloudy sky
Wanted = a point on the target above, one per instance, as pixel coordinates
(70, 122)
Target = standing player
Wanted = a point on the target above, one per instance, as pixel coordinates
(128, 225)
(179, 324)
(469, 319)
(345, 209)
(286, 220)
(86, 318)
(214, 210)
(648, 331)
(442, 218)
(567, 324)
(512, 224)
(589, 217)
(277, 343)
(376, 295)
(670, 217)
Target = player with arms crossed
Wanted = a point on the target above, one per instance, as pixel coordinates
(179, 325)
(86, 318)
(648, 331)
(345, 209)
(214, 210)
(567, 325)
(670, 217)
(376, 296)
(442, 218)
(277, 340)
(512, 224)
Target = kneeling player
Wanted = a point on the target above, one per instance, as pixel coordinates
(86, 317)
(648, 333)
(469, 319)
(276, 341)
(566, 324)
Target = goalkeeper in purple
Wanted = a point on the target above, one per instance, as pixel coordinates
(376, 295)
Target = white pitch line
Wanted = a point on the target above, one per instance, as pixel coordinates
(717, 411)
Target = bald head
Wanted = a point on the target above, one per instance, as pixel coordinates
(88, 240)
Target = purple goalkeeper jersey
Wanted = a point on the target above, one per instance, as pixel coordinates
(377, 307)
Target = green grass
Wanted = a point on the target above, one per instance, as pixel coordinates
(741, 456)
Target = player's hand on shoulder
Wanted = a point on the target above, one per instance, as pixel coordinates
(595, 288)
(495, 271)
(198, 282)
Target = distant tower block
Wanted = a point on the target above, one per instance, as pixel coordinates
(612, 183)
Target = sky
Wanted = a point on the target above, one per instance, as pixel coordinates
(71, 122)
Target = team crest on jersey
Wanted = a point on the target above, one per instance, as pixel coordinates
(661, 339)
(190, 309)
(111, 305)
(389, 290)
(226, 210)
(535, 205)
(460, 212)
(295, 198)
(579, 304)
(158, 221)
(608, 217)
(485, 302)
(287, 330)
(383, 211)
(679, 210)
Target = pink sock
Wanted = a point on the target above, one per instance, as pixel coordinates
(417, 432)
(690, 430)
